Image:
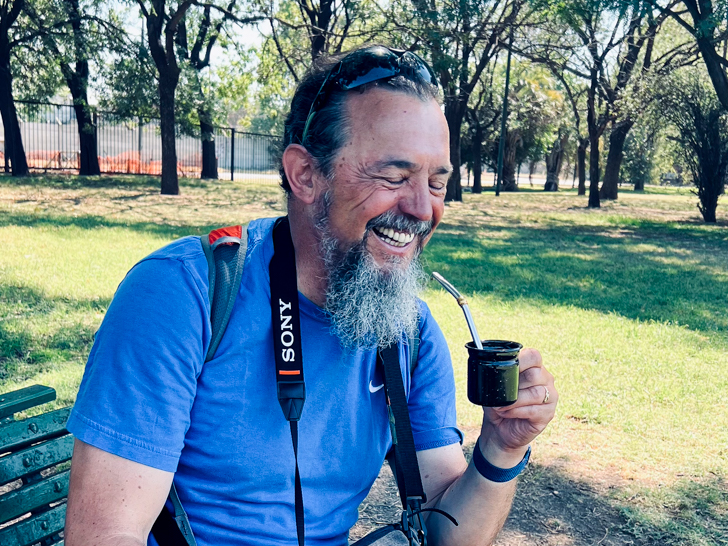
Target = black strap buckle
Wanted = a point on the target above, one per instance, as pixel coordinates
(412, 525)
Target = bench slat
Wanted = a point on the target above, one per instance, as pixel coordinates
(35, 528)
(20, 434)
(35, 459)
(34, 496)
(29, 397)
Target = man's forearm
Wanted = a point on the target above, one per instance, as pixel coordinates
(108, 540)
(480, 507)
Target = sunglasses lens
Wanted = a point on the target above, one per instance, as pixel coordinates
(372, 75)
(369, 65)
(414, 63)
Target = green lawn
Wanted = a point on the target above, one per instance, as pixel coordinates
(627, 305)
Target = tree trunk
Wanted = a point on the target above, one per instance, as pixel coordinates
(513, 142)
(639, 184)
(581, 164)
(14, 151)
(77, 81)
(207, 135)
(716, 70)
(614, 159)
(531, 170)
(591, 122)
(554, 161)
(594, 172)
(167, 87)
(89, 159)
(478, 159)
(454, 116)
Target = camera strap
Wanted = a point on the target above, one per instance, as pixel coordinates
(286, 321)
(406, 468)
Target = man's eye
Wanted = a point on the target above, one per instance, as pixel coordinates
(397, 181)
(438, 185)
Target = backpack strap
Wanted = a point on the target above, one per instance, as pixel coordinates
(414, 344)
(225, 250)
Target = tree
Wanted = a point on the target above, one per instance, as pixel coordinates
(462, 39)
(554, 159)
(701, 130)
(639, 153)
(204, 32)
(167, 32)
(601, 45)
(709, 28)
(482, 118)
(10, 38)
(162, 23)
(73, 36)
(301, 31)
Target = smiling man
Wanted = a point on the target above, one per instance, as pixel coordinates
(365, 167)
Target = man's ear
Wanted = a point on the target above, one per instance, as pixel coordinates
(301, 173)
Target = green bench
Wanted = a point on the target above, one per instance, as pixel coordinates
(33, 476)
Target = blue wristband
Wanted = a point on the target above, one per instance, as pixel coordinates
(494, 473)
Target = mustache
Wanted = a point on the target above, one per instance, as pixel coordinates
(399, 222)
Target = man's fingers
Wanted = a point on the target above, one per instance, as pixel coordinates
(530, 396)
(529, 358)
(537, 375)
(541, 413)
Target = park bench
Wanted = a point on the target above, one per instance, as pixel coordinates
(34, 469)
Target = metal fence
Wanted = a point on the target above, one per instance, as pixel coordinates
(50, 139)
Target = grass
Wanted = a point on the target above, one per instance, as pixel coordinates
(627, 304)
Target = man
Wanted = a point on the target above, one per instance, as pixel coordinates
(365, 167)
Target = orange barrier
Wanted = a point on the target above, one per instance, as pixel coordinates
(124, 163)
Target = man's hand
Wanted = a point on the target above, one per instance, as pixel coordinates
(507, 431)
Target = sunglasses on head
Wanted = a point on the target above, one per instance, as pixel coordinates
(375, 63)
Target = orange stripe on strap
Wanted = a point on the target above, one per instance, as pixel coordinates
(289, 372)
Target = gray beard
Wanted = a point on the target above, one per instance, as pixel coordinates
(370, 305)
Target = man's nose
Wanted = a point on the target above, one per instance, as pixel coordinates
(417, 199)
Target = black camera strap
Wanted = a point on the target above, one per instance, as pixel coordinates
(286, 321)
(406, 469)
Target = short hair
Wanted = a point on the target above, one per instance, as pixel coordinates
(329, 128)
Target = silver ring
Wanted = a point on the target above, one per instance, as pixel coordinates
(548, 395)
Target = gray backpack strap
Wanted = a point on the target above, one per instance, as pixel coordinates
(414, 343)
(180, 517)
(225, 251)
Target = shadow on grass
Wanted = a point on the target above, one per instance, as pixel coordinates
(36, 330)
(552, 508)
(646, 274)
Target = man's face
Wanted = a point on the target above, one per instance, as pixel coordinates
(376, 214)
(396, 163)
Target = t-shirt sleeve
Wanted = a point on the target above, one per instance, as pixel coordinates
(432, 390)
(141, 377)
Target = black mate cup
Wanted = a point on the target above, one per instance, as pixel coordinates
(493, 372)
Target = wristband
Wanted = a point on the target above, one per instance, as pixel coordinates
(494, 473)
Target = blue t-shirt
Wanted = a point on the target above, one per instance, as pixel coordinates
(147, 397)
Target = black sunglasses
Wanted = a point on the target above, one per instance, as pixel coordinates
(368, 65)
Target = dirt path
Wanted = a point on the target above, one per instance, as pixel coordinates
(550, 509)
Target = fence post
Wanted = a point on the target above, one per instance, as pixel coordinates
(232, 155)
(95, 120)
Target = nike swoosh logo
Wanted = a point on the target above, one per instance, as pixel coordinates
(374, 389)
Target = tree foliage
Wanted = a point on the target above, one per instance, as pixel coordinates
(701, 130)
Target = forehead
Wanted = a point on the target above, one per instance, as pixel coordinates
(389, 125)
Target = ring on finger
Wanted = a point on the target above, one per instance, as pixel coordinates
(548, 395)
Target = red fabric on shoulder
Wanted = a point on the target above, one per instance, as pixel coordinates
(230, 231)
